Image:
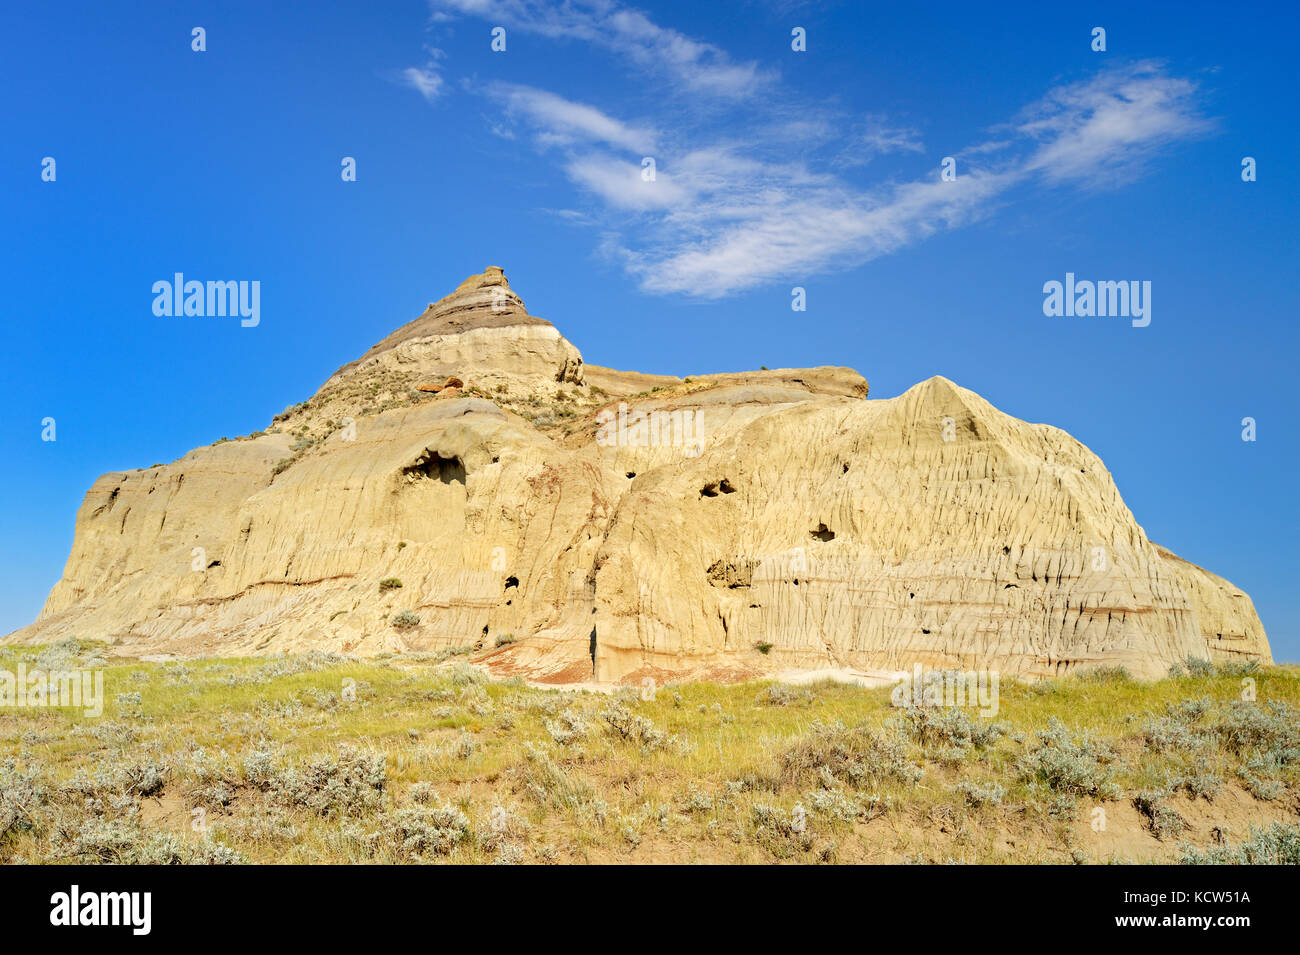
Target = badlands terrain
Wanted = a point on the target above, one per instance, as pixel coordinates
(478, 601)
(470, 482)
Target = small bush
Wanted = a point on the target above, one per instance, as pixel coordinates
(778, 694)
(624, 723)
(1069, 764)
(1279, 844)
(464, 674)
(780, 833)
(465, 747)
(122, 842)
(420, 831)
(1165, 734)
(346, 785)
(981, 794)
(1202, 783)
(949, 727)
(1193, 667)
(1105, 675)
(833, 753)
(421, 793)
(389, 583)
(569, 726)
(405, 619)
(1273, 729)
(22, 794)
(1161, 819)
(1254, 775)
(547, 782)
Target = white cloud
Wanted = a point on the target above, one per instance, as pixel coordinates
(875, 137)
(687, 63)
(792, 228)
(748, 196)
(1103, 130)
(424, 79)
(561, 121)
(621, 185)
(742, 223)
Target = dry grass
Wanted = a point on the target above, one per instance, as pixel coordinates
(322, 759)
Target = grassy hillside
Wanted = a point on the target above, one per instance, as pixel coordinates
(324, 759)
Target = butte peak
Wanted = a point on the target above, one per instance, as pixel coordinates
(481, 330)
(482, 300)
(570, 523)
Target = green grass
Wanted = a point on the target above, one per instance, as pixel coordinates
(279, 757)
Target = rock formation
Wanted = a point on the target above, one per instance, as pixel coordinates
(617, 526)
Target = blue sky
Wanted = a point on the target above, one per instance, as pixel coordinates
(774, 169)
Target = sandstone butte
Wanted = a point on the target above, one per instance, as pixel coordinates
(789, 524)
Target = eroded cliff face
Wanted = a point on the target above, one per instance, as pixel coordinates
(619, 526)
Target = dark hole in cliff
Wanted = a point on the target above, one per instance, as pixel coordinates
(910, 596)
(215, 563)
(823, 533)
(923, 630)
(713, 488)
(846, 469)
(512, 582)
(1009, 586)
(108, 505)
(433, 465)
(1006, 550)
(592, 648)
(631, 475)
(731, 574)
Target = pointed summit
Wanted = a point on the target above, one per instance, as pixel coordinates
(481, 328)
(481, 300)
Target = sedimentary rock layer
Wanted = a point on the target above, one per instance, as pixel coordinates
(617, 526)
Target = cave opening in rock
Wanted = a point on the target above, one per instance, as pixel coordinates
(822, 533)
(433, 465)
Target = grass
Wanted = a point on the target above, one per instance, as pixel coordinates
(418, 758)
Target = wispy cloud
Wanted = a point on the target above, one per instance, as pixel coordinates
(737, 203)
(425, 79)
(1105, 129)
(559, 121)
(743, 227)
(688, 63)
(863, 142)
